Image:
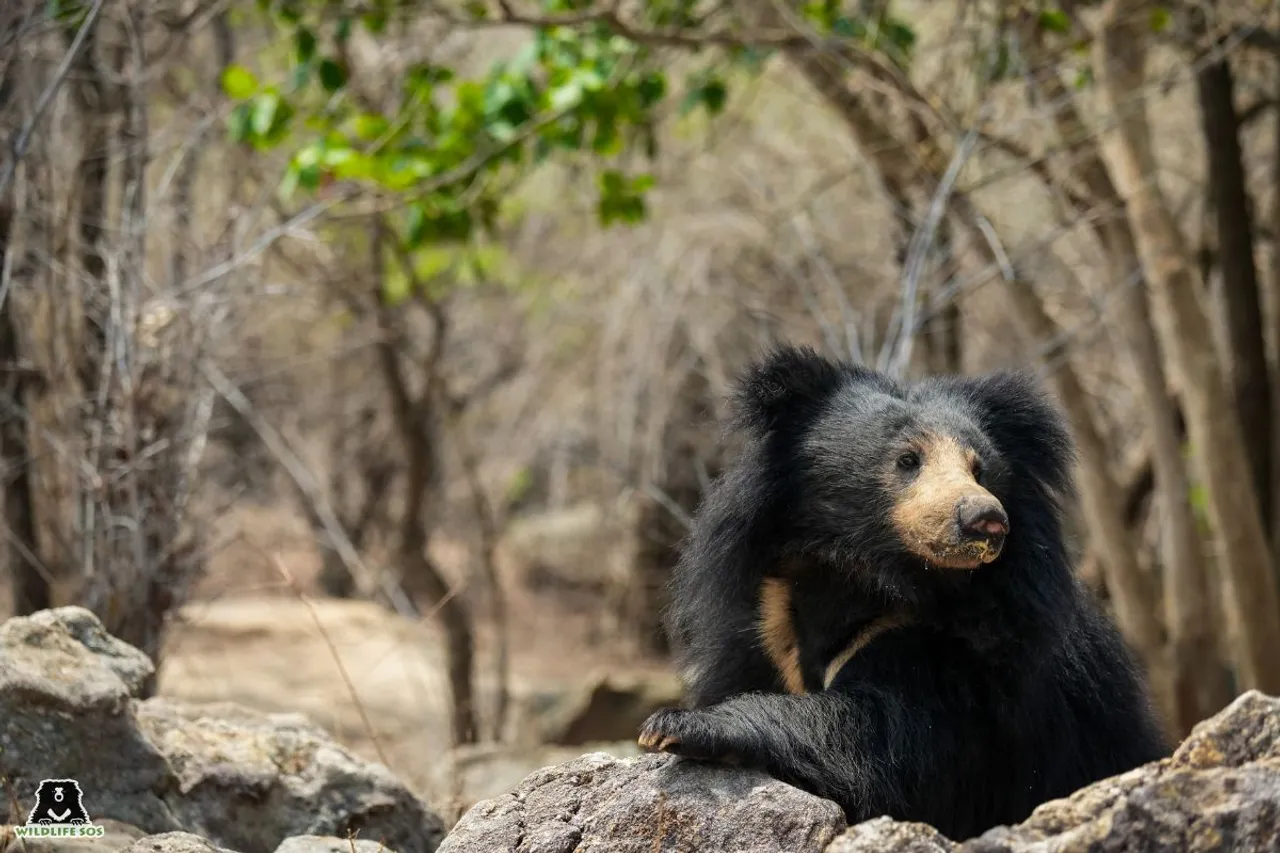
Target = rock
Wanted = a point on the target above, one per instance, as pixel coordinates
(66, 711)
(330, 844)
(116, 836)
(175, 842)
(277, 654)
(241, 779)
(607, 707)
(652, 803)
(486, 770)
(885, 834)
(251, 780)
(1219, 791)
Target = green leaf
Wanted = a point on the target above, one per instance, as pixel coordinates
(265, 109)
(309, 177)
(1160, 19)
(1054, 21)
(651, 88)
(304, 42)
(370, 126)
(564, 98)
(897, 35)
(714, 95)
(622, 198)
(415, 225)
(238, 82)
(332, 75)
(239, 124)
(269, 122)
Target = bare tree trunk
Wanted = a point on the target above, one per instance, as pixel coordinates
(185, 179)
(417, 421)
(488, 523)
(95, 104)
(28, 579)
(1241, 302)
(1216, 436)
(1200, 686)
(1275, 322)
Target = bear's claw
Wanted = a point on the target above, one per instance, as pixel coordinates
(679, 731)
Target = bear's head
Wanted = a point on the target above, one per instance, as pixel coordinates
(944, 473)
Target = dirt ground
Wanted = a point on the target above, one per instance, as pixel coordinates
(372, 678)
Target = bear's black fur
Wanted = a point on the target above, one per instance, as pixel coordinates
(962, 697)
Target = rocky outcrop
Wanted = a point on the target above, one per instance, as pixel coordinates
(645, 804)
(330, 844)
(1219, 791)
(242, 780)
(163, 776)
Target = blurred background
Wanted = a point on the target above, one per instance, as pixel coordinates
(368, 357)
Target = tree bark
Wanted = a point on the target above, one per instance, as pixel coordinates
(1239, 293)
(417, 423)
(1250, 597)
(1275, 324)
(1200, 686)
(28, 580)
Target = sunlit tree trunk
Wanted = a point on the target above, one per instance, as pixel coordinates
(1217, 440)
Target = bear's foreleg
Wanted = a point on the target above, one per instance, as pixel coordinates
(824, 743)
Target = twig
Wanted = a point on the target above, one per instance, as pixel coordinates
(302, 478)
(23, 137)
(921, 242)
(333, 650)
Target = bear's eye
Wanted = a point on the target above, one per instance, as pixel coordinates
(909, 461)
(977, 469)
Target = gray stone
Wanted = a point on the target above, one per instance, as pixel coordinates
(330, 844)
(886, 834)
(649, 804)
(1220, 791)
(65, 711)
(486, 770)
(251, 780)
(116, 836)
(175, 842)
(243, 780)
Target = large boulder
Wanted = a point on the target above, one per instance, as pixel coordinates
(243, 780)
(250, 780)
(652, 803)
(1219, 791)
(66, 711)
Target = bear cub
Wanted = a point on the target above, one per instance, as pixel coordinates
(876, 603)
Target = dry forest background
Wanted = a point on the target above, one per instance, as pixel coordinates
(367, 358)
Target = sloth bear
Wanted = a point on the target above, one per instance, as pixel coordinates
(876, 604)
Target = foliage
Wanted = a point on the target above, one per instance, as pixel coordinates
(445, 148)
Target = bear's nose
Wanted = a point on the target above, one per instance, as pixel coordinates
(982, 518)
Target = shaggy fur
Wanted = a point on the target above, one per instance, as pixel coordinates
(958, 697)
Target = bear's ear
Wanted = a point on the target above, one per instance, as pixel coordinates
(1025, 423)
(787, 382)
